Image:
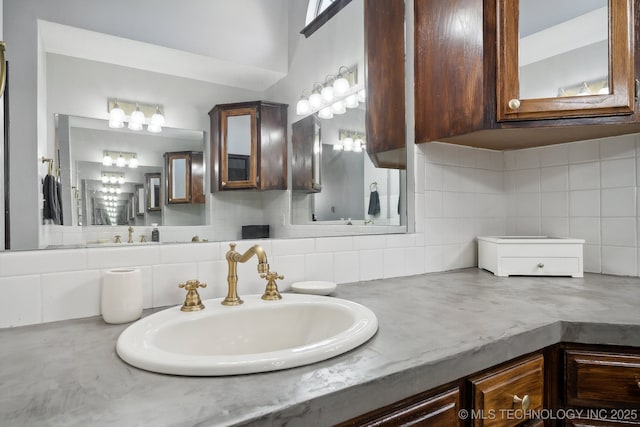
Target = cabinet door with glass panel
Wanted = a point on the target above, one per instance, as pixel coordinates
(185, 177)
(249, 146)
(569, 58)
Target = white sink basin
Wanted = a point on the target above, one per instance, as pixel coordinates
(257, 336)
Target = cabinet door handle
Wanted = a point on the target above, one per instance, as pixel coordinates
(514, 104)
(524, 402)
(223, 183)
(540, 265)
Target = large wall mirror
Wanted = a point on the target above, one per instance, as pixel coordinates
(59, 109)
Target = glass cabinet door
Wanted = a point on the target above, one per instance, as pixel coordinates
(178, 178)
(571, 59)
(153, 191)
(239, 148)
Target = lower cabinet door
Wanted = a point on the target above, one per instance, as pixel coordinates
(509, 395)
(439, 410)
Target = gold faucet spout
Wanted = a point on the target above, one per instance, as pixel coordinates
(233, 258)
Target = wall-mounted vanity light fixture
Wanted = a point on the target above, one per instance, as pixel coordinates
(120, 159)
(350, 141)
(138, 113)
(112, 178)
(334, 96)
(111, 189)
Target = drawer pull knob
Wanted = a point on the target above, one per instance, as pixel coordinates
(540, 265)
(525, 402)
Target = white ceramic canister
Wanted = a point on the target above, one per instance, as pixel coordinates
(121, 295)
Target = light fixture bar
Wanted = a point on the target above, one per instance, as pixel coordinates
(130, 106)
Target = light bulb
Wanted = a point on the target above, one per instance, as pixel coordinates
(154, 129)
(113, 180)
(121, 162)
(340, 86)
(325, 113)
(338, 107)
(315, 100)
(303, 107)
(157, 119)
(121, 180)
(107, 160)
(327, 94)
(352, 101)
(116, 116)
(137, 119)
(133, 163)
(337, 147)
(105, 179)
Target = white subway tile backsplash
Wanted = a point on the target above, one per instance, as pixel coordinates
(587, 228)
(592, 259)
(346, 267)
(554, 226)
(400, 240)
(489, 159)
(434, 231)
(291, 267)
(214, 274)
(371, 264)
(319, 267)
(433, 152)
(554, 204)
(451, 179)
(527, 204)
(433, 258)
(70, 295)
(618, 173)
(619, 261)
(293, 246)
(584, 203)
(618, 147)
(528, 158)
(554, 155)
(527, 180)
(555, 178)
(434, 177)
(584, 151)
(394, 263)
(619, 202)
(21, 302)
(433, 204)
(44, 261)
(583, 176)
(528, 226)
(414, 260)
(334, 244)
(619, 231)
(190, 252)
(116, 257)
(369, 242)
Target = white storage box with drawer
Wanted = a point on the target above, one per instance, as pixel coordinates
(531, 256)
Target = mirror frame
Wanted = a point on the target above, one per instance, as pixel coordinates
(252, 182)
(148, 177)
(621, 64)
(170, 158)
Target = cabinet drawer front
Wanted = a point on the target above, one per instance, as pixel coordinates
(493, 393)
(540, 266)
(603, 380)
(432, 411)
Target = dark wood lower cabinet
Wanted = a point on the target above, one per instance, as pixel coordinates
(570, 385)
(426, 409)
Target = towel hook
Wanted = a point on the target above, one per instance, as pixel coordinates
(50, 166)
(373, 186)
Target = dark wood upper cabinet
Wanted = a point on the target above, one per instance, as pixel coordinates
(185, 177)
(306, 155)
(384, 59)
(617, 78)
(249, 146)
(471, 89)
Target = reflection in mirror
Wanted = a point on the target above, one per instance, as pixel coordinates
(238, 140)
(563, 48)
(179, 181)
(153, 192)
(353, 189)
(114, 195)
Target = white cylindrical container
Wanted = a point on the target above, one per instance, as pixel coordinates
(121, 295)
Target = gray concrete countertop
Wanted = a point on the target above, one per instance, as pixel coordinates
(433, 329)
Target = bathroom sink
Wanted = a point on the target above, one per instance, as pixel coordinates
(257, 336)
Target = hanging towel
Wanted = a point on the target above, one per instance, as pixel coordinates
(52, 209)
(374, 203)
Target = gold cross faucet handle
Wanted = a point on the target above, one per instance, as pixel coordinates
(271, 292)
(192, 302)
